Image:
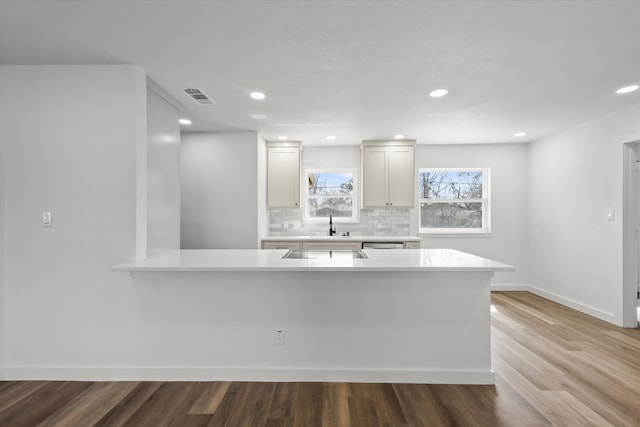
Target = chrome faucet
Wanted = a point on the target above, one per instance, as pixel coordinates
(332, 229)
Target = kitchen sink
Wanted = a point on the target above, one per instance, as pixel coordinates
(323, 254)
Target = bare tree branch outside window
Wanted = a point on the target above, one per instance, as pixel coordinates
(330, 193)
(451, 199)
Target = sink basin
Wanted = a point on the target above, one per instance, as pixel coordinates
(302, 254)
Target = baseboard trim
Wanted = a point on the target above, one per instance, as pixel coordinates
(591, 311)
(414, 376)
(508, 287)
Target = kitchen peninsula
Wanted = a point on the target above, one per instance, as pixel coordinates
(411, 316)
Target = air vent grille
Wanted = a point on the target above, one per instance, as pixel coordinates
(198, 96)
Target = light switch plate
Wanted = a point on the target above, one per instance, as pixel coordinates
(611, 214)
(47, 219)
(279, 337)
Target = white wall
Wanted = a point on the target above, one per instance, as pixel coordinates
(162, 175)
(347, 157)
(68, 138)
(509, 176)
(576, 177)
(220, 190)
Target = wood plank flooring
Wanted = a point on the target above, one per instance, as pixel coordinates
(554, 367)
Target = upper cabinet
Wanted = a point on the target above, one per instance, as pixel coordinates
(388, 174)
(283, 174)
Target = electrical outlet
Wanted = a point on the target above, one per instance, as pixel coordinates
(279, 337)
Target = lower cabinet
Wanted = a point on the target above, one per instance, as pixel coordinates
(331, 246)
(325, 245)
(281, 245)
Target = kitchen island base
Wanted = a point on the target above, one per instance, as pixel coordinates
(347, 326)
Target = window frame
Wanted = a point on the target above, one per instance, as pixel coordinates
(485, 230)
(354, 195)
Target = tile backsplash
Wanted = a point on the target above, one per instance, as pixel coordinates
(373, 222)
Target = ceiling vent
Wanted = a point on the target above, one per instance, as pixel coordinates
(198, 95)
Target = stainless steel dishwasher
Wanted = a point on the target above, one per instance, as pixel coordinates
(382, 245)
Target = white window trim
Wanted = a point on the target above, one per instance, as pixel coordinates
(305, 196)
(486, 206)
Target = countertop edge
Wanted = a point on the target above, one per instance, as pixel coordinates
(260, 260)
(319, 269)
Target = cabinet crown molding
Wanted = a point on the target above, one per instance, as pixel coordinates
(272, 144)
(388, 143)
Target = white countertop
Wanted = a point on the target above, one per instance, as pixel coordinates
(341, 239)
(201, 260)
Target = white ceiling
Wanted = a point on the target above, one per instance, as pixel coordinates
(354, 69)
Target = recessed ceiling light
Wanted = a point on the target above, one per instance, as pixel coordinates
(184, 121)
(398, 136)
(283, 137)
(627, 89)
(519, 134)
(257, 95)
(331, 137)
(438, 93)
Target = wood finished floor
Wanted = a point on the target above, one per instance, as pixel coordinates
(554, 366)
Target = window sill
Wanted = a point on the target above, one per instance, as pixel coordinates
(454, 234)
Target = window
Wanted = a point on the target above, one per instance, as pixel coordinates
(330, 192)
(454, 201)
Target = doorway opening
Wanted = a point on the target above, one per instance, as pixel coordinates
(631, 235)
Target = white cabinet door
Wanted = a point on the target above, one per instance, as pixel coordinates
(401, 181)
(388, 175)
(374, 182)
(283, 177)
